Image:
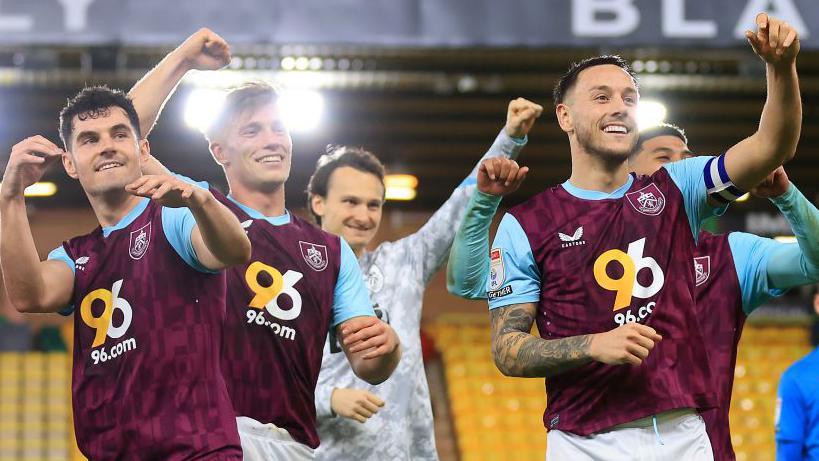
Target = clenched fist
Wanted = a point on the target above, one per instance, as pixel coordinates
(520, 116)
(630, 343)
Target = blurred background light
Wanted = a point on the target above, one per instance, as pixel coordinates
(650, 113)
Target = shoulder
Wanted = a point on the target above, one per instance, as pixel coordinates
(707, 241)
(800, 372)
(309, 230)
(546, 197)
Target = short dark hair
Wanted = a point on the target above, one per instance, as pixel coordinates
(238, 100)
(92, 101)
(337, 157)
(663, 129)
(567, 81)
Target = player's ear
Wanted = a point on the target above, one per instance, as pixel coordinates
(816, 303)
(564, 117)
(144, 151)
(68, 164)
(218, 153)
(317, 203)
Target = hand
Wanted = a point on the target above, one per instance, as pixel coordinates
(520, 116)
(776, 184)
(775, 41)
(369, 334)
(205, 50)
(629, 343)
(168, 191)
(27, 164)
(500, 176)
(356, 404)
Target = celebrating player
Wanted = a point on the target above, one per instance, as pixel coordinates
(346, 194)
(735, 273)
(300, 282)
(146, 379)
(561, 257)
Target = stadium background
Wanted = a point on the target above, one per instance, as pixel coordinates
(424, 84)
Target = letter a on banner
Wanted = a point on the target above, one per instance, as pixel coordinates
(782, 9)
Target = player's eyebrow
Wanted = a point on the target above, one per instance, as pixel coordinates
(600, 88)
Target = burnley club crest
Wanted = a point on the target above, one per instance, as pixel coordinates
(649, 200)
(702, 269)
(140, 239)
(314, 255)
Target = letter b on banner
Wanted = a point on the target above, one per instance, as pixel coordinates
(621, 18)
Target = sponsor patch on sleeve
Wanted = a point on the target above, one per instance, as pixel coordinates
(507, 290)
(497, 273)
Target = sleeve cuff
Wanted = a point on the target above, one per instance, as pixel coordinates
(489, 200)
(785, 199)
(323, 407)
(349, 314)
(510, 146)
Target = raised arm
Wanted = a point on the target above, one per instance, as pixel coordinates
(431, 244)
(204, 50)
(519, 353)
(217, 238)
(790, 265)
(31, 285)
(469, 256)
(774, 143)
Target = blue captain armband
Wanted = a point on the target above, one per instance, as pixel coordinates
(719, 185)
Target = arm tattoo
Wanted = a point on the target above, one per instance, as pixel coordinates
(518, 353)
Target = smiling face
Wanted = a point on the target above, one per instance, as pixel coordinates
(255, 149)
(656, 152)
(104, 151)
(353, 206)
(600, 112)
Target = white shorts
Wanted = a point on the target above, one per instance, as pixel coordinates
(680, 435)
(267, 442)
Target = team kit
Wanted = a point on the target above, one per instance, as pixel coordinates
(221, 326)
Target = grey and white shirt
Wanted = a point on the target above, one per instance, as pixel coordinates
(397, 274)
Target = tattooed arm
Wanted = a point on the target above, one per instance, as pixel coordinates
(519, 353)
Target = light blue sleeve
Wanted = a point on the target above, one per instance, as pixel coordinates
(468, 264)
(514, 278)
(689, 177)
(752, 255)
(350, 297)
(178, 223)
(791, 419)
(803, 218)
(59, 254)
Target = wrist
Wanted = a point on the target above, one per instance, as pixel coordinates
(200, 199)
(516, 134)
(181, 60)
(593, 355)
(333, 412)
(785, 197)
(783, 69)
(484, 198)
(8, 196)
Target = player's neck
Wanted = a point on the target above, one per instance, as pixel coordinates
(598, 172)
(111, 207)
(358, 250)
(268, 203)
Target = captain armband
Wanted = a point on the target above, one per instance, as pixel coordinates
(717, 182)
